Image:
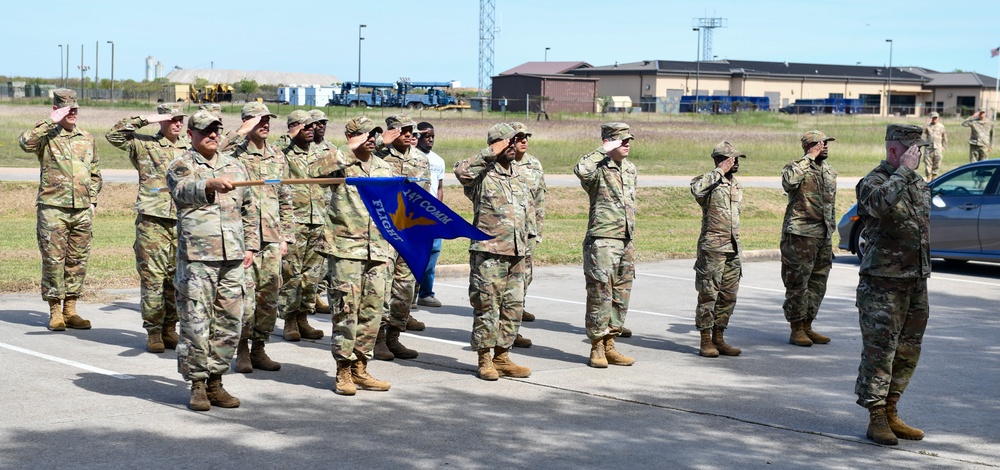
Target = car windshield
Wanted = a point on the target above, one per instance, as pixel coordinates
(970, 181)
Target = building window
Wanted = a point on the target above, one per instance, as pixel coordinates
(871, 104)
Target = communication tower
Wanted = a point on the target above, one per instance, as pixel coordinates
(707, 25)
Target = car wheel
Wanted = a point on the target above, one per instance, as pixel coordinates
(955, 262)
(859, 242)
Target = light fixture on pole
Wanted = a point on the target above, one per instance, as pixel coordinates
(697, 76)
(888, 98)
(112, 70)
(547, 53)
(360, 38)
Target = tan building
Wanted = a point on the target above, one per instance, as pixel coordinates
(956, 93)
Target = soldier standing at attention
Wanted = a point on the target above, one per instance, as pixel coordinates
(156, 220)
(425, 144)
(934, 133)
(531, 170)
(502, 206)
(67, 200)
(894, 205)
(718, 268)
(321, 146)
(303, 267)
(359, 258)
(216, 227)
(981, 137)
(608, 251)
(807, 236)
(263, 161)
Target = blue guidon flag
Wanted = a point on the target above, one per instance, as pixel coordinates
(410, 218)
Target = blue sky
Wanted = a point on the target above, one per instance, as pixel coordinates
(437, 40)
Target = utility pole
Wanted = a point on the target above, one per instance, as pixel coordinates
(112, 71)
(62, 75)
(888, 99)
(97, 64)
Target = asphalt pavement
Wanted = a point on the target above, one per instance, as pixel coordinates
(96, 399)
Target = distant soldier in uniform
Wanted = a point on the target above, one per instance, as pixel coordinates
(303, 267)
(502, 208)
(322, 146)
(156, 220)
(531, 170)
(216, 226)
(935, 133)
(894, 205)
(214, 108)
(67, 200)
(718, 268)
(608, 250)
(807, 236)
(263, 161)
(981, 137)
(359, 258)
(425, 144)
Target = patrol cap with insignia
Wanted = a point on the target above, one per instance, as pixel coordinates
(813, 137)
(318, 116)
(300, 116)
(935, 115)
(500, 131)
(202, 120)
(397, 121)
(906, 134)
(616, 131)
(254, 109)
(63, 97)
(520, 128)
(173, 109)
(214, 108)
(725, 149)
(361, 125)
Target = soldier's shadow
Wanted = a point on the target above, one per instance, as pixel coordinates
(151, 388)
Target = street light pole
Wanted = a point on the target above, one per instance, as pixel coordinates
(357, 91)
(888, 99)
(547, 53)
(697, 77)
(62, 75)
(112, 71)
(97, 64)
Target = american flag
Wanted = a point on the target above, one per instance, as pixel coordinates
(994, 52)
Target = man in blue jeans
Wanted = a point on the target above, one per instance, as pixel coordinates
(425, 142)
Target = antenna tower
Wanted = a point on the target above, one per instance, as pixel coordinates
(486, 36)
(707, 25)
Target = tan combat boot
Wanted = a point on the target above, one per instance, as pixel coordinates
(259, 359)
(70, 316)
(521, 342)
(363, 380)
(527, 316)
(719, 341)
(898, 427)
(506, 367)
(169, 335)
(306, 330)
(243, 364)
(345, 384)
(707, 348)
(398, 350)
(878, 427)
(291, 330)
(597, 357)
(321, 305)
(815, 337)
(154, 342)
(56, 320)
(382, 351)
(625, 333)
(199, 398)
(798, 336)
(614, 357)
(218, 396)
(412, 324)
(486, 369)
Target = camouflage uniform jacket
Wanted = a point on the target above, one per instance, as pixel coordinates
(501, 203)
(531, 170)
(812, 193)
(720, 200)
(937, 135)
(217, 228)
(70, 170)
(308, 205)
(412, 163)
(612, 195)
(353, 231)
(150, 155)
(895, 206)
(274, 200)
(982, 132)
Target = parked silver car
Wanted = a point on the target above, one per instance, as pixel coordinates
(965, 216)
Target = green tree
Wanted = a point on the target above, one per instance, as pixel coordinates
(246, 86)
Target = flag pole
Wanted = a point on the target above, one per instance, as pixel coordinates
(267, 182)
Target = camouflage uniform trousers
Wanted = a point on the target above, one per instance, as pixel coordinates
(155, 250)
(496, 292)
(932, 162)
(302, 269)
(529, 266)
(359, 292)
(400, 295)
(805, 268)
(609, 269)
(978, 153)
(64, 240)
(717, 279)
(210, 306)
(263, 284)
(893, 315)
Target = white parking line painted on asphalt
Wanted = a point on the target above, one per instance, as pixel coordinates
(439, 340)
(743, 286)
(67, 362)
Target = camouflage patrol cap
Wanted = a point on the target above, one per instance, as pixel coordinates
(318, 116)
(254, 109)
(397, 121)
(173, 109)
(361, 125)
(935, 115)
(616, 131)
(300, 116)
(202, 120)
(63, 97)
(982, 109)
(214, 108)
(813, 137)
(906, 134)
(501, 131)
(726, 150)
(520, 128)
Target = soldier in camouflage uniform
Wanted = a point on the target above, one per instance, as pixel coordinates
(263, 161)
(608, 251)
(321, 146)
(156, 220)
(934, 133)
(502, 208)
(718, 268)
(894, 206)
(981, 137)
(216, 230)
(405, 160)
(303, 267)
(807, 236)
(531, 170)
(67, 200)
(359, 258)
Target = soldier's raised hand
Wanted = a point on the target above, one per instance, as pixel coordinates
(294, 129)
(815, 150)
(356, 141)
(58, 114)
(499, 146)
(610, 145)
(249, 124)
(726, 165)
(153, 118)
(910, 158)
(391, 135)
